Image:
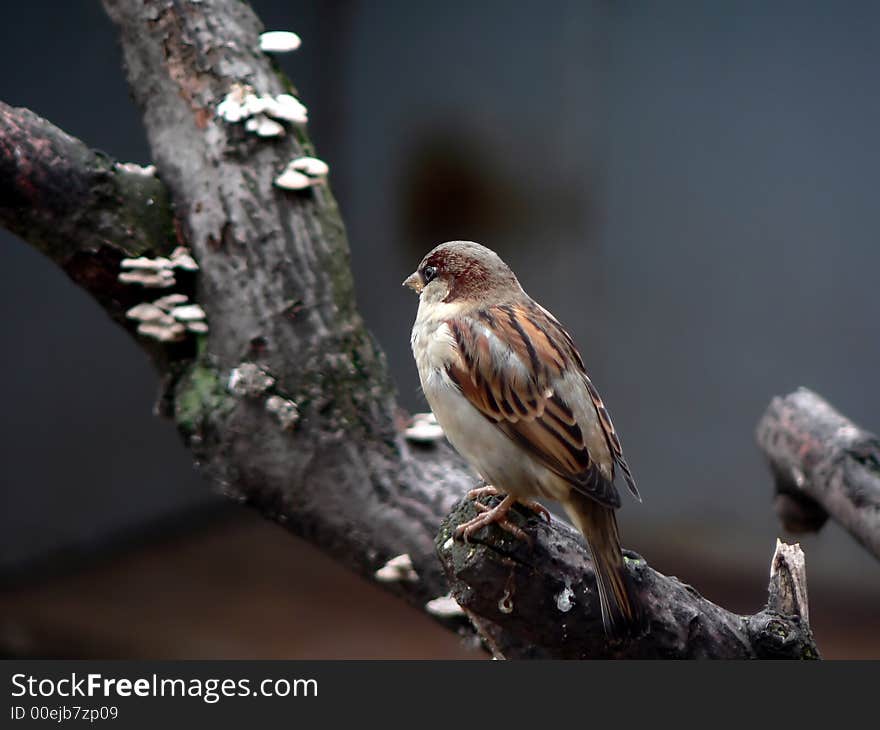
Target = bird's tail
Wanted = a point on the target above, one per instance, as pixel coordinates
(621, 613)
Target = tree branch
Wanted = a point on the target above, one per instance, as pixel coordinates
(544, 595)
(315, 442)
(285, 401)
(823, 464)
(79, 207)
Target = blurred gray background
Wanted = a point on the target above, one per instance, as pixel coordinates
(689, 186)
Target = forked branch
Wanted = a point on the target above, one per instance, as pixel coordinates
(285, 400)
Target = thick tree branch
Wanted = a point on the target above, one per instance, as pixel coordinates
(315, 442)
(79, 207)
(285, 402)
(823, 465)
(545, 596)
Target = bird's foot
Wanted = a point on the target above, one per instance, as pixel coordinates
(496, 515)
(536, 507)
(485, 490)
(530, 504)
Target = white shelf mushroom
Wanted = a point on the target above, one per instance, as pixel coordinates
(145, 263)
(243, 104)
(232, 108)
(156, 279)
(279, 41)
(188, 313)
(444, 607)
(169, 301)
(169, 318)
(311, 166)
(302, 173)
(145, 312)
(424, 429)
(398, 569)
(292, 180)
(287, 108)
(262, 126)
(181, 259)
(154, 323)
(157, 273)
(173, 332)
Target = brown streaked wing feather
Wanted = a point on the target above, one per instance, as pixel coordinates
(468, 376)
(521, 402)
(604, 417)
(612, 439)
(563, 450)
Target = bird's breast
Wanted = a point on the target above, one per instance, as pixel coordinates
(433, 344)
(490, 452)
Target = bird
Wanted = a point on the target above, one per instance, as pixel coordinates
(511, 392)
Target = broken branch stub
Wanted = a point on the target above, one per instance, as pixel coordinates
(788, 582)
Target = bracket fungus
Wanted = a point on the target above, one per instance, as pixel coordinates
(398, 569)
(181, 259)
(423, 429)
(145, 312)
(188, 313)
(279, 41)
(444, 607)
(260, 112)
(170, 301)
(169, 318)
(302, 173)
(150, 279)
(262, 126)
(156, 273)
(287, 108)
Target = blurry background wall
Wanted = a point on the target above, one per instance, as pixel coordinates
(690, 187)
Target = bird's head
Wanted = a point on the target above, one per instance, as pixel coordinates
(460, 271)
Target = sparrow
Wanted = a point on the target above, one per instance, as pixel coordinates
(510, 390)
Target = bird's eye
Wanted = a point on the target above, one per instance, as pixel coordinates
(429, 273)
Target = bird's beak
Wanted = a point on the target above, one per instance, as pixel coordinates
(414, 282)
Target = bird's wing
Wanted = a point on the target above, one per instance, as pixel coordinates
(612, 439)
(520, 369)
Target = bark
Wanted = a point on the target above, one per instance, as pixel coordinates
(545, 595)
(277, 288)
(79, 207)
(823, 465)
(285, 402)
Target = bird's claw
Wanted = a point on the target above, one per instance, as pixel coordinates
(536, 507)
(497, 515)
(488, 490)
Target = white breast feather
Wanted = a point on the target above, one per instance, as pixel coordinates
(492, 454)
